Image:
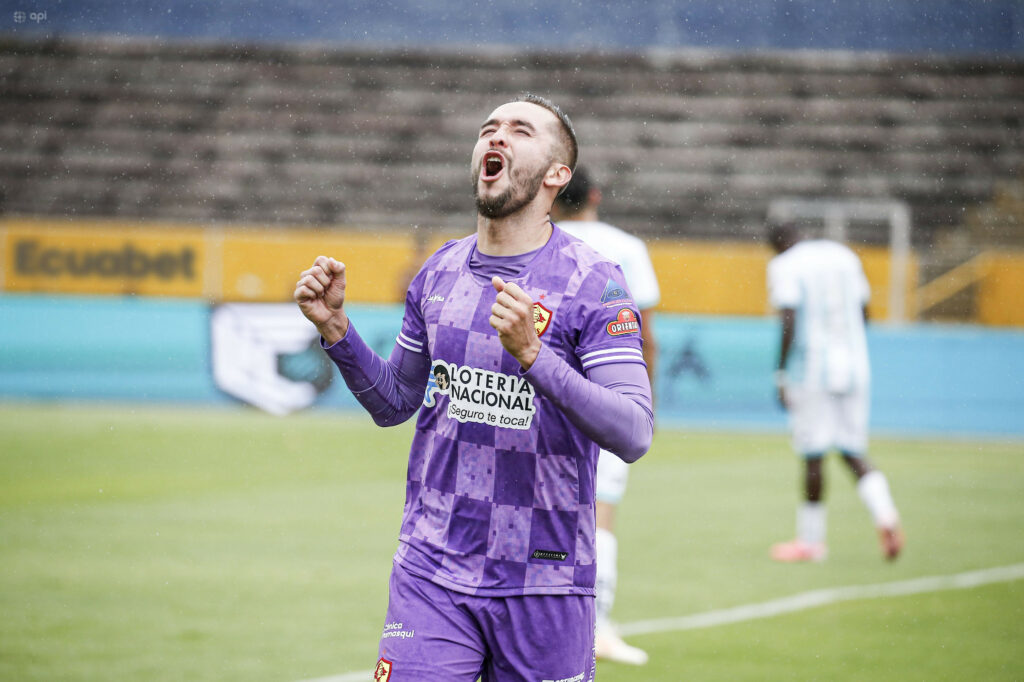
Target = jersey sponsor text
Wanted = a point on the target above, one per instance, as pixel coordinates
(482, 396)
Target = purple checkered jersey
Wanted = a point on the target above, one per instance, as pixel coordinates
(500, 490)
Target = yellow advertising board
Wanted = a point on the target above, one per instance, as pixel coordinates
(233, 263)
(217, 263)
(1001, 291)
(711, 278)
(94, 257)
(264, 265)
(723, 278)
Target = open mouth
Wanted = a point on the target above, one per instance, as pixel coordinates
(493, 165)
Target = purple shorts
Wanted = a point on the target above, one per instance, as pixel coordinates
(432, 634)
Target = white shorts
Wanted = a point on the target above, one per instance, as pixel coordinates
(612, 474)
(822, 421)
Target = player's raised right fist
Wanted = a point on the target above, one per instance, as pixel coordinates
(320, 293)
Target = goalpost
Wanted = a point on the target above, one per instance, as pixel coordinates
(836, 215)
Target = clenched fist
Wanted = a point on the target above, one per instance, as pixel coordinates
(512, 317)
(320, 293)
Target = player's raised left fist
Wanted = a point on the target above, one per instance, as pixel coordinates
(512, 317)
(320, 293)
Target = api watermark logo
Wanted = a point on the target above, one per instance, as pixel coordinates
(21, 17)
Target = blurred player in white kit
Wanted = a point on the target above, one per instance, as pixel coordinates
(823, 380)
(575, 211)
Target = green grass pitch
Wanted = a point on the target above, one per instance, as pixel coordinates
(139, 543)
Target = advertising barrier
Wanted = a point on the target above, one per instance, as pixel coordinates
(103, 259)
(213, 263)
(220, 263)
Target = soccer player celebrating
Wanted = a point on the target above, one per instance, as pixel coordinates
(821, 294)
(523, 374)
(575, 211)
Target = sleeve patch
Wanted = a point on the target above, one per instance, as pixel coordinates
(614, 294)
(625, 322)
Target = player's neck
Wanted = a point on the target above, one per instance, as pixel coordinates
(513, 235)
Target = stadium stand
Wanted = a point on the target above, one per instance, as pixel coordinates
(698, 141)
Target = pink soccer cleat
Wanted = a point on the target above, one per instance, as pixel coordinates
(892, 540)
(797, 550)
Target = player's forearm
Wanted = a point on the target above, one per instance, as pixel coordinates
(787, 317)
(390, 390)
(614, 409)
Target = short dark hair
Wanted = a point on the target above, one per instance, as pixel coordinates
(782, 235)
(568, 132)
(577, 193)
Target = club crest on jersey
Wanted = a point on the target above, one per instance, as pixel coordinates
(481, 396)
(614, 294)
(382, 673)
(625, 322)
(541, 318)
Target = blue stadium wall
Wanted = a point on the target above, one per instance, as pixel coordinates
(713, 372)
(945, 26)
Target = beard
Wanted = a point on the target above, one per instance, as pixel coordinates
(523, 186)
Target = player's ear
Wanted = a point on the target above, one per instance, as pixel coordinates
(558, 176)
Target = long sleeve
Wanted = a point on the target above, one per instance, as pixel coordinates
(390, 390)
(613, 406)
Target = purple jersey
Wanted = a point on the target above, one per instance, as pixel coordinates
(500, 490)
